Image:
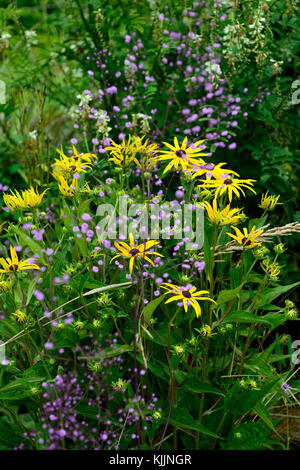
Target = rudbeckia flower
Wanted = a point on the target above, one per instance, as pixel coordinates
(66, 188)
(5, 283)
(212, 171)
(268, 202)
(245, 238)
(230, 185)
(124, 154)
(28, 199)
(13, 264)
(221, 217)
(182, 157)
(73, 164)
(133, 251)
(147, 152)
(188, 295)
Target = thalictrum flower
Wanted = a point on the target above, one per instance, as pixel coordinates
(229, 185)
(28, 199)
(268, 202)
(221, 217)
(13, 264)
(133, 251)
(245, 238)
(182, 157)
(189, 296)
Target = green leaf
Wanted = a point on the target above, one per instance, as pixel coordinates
(228, 295)
(27, 241)
(263, 413)
(242, 316)
(8, 436)
(248, 399)
(84, 207)
(269, 295)
(235, 277)
(195, 385)
(151, 307)
(182, 419)
(30, 290)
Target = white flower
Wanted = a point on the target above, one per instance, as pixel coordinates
(5, 36)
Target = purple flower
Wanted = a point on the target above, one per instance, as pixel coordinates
(39, 295)
(86, 217)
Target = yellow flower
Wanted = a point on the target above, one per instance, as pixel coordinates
(20, 316)
(212, 171)
(272, 269)
(147, 151)
(229, 185)
(28, 199)
(120, 385)
(206, 331)
(13, 264)
(123, 154)
(5, 283)
(132, 251)
(73, 164)
(221, 217)
(268, 202)
(181, 156)
(247, 239)
(188, 295)
(63, 185)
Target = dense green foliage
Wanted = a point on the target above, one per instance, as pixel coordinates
(95, 358)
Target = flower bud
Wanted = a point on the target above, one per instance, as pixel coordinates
(280, 248)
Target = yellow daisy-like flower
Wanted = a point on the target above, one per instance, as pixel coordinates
(66, 188)
(124, 154)
(13, 264)
(212, 171)
(5, 283)
(188, 295)
(133, 251)
(20, 316)
(147, 151)
(268, 202)
(221, 217)
(229, 185)
(245, 238)
(272, 269)
(182, 157)
(28, 199)
(73, 164)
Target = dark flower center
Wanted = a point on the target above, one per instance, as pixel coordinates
(13, 267)
(134, 251)
(72, 168)
(246, 242)
(180, 153)
(228, 181)
(186, 294)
